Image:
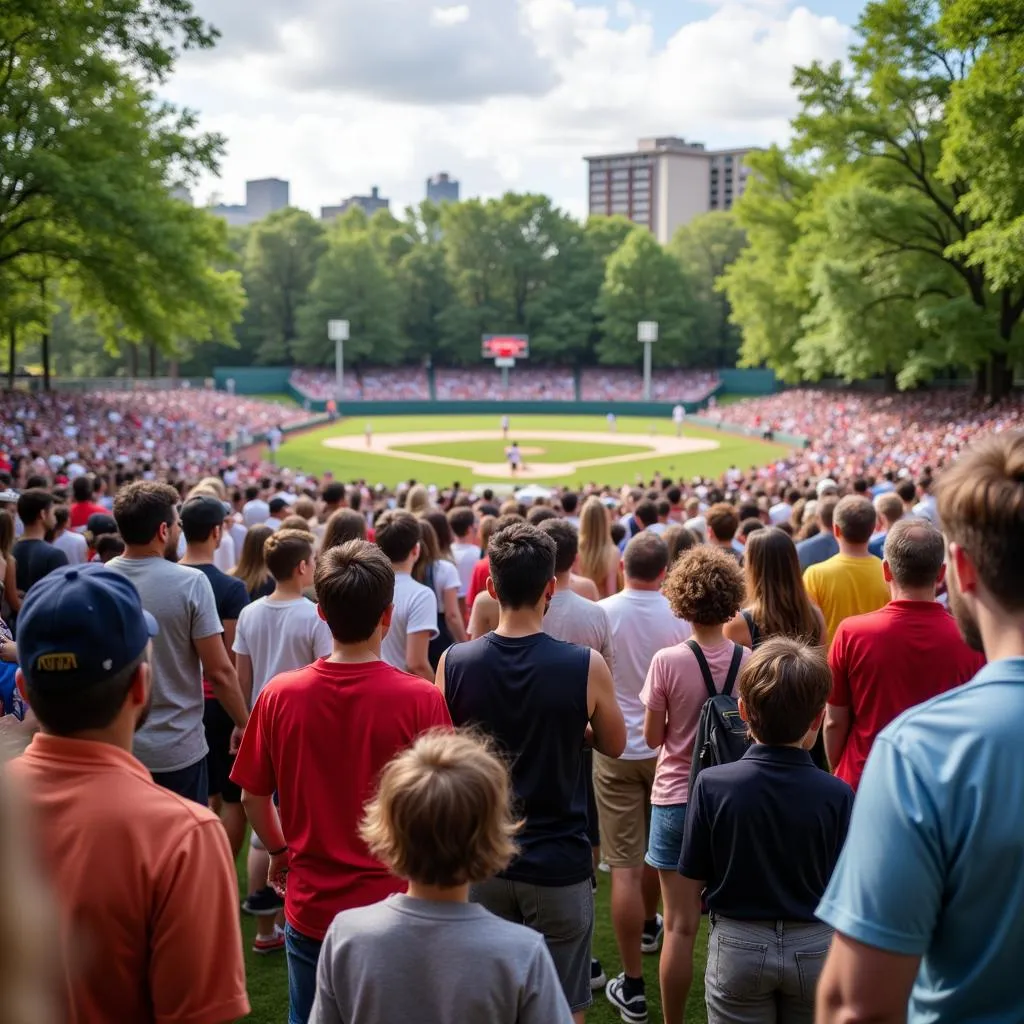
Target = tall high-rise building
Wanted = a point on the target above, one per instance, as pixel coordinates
(442, 189)
(264, 196)
(370, 205)
(666, 182)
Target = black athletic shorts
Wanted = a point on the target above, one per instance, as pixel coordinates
(219, 762)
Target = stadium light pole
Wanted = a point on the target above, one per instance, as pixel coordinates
(337, 331)
(647, 335)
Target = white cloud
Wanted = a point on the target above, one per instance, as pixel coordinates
(344, 95)
(450, 15)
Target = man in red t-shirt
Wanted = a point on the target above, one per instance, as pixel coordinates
(319, 737)
(83, 506)
(887, 661)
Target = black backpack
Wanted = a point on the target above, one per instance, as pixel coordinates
(722, 735)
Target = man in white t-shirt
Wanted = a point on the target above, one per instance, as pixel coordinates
(504, 426)
(679, 418)
(414, 619)
(465, 549)
(255, 511)
(642, 623)
(74, 545)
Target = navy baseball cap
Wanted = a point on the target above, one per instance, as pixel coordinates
(80, 625)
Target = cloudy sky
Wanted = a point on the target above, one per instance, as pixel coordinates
(339, 95)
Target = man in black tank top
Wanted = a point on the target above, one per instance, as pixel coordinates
(535, 696)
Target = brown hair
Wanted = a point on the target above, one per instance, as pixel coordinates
(915, 552)
(645, 557)
(344, 525)
(981, 506)
(294, 522)
(285, 550)
(567, 542)
(723, 521)
(488, 527)
(705, 587)
(522, 562)
(442, 813)
(439, 521)
(678, 539)
(355, 585)
(595, 541)
(139, 510)
(6, 532)
(461, 520)
(398, 533)
(252, 562)
(430, 551)
(784, 684)
(855, 517)
(776, 597)
(889, 507)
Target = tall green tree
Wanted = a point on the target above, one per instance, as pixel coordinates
(644, 282)
(352, 283)
(706, 248)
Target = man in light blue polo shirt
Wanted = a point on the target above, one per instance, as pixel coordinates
(928, 897)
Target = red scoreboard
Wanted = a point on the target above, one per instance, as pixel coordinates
(506, 346)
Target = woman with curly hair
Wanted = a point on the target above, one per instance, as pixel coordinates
(705, 588)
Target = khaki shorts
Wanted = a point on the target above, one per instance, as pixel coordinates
(623, 790)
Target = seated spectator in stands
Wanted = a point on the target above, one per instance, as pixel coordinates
(895, 658)
(889, 508)
(823, 545)
(850, 583)
(763, 835)
(933, 916)
(441, 820)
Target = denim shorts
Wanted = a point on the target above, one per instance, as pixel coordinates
(666, 839)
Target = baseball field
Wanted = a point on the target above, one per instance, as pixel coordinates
(554, 450)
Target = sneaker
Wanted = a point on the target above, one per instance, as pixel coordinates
(633, 1011)
(264, 903)
(593, 884)
(598, 979)
(604, 867)
(650, 941)
(264, 944)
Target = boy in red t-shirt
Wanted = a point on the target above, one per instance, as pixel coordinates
(320, 736)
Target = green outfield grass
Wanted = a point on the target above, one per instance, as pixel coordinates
(307, 452)
(268, 975)
(554, 450)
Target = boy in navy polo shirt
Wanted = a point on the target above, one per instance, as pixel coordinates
(762, 836)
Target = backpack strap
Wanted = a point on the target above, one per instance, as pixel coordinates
(755, 633)
(705, 669)
(734, 669)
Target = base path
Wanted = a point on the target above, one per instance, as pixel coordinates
(391, 445)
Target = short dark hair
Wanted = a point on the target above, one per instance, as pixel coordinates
(522, 563)
(915, 552)
(540, 514)
(285, 550)
(461, 521)
(141, 508)
(907, 491)
(825, 510)
(342, 526)
(678, 539)
(33, 503)
(398, 533)
(722, 521)
(62, 514)
(567, 542)
(251, 493)
(570, 501)
(72, 708)
(334, 493)
(108, 546)
(749, 526)
(355, 585)
(82, 488)
(646, 513)
(705, 587)
(646, 557)
(439, 521)
(784, 685)
(855, 516)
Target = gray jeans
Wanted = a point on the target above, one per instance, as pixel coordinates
(763, 972)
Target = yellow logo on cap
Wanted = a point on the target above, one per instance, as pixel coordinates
(57, 662)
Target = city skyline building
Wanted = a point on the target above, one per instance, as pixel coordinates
(442, 188)
(665, 182)
(263, 196)
(369, 204)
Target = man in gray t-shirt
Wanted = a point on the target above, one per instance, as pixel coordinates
(172, 743)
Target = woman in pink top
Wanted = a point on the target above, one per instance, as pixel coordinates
(705, 587)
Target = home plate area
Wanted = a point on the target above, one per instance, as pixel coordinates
(399, 445)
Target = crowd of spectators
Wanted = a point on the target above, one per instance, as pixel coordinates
(523, 385)
(375, 384)
(613, 385)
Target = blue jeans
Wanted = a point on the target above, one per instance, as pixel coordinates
(666, 837)
(303, 953)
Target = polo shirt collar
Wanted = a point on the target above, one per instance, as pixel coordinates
(778, 755)
(1004, 670)
(87, 753)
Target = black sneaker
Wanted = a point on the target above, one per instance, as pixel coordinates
(633, 1011)
(598, 979)
(264, 903)
(651, 940)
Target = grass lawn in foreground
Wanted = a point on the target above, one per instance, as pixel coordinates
(307, 452)
(268, 975)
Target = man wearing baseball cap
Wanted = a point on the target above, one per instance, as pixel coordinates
(144, 942)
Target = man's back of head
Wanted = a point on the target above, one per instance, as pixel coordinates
(914, 555)
(567, 543)
(854, 521)
(646, 513)
(570, 503)
(398, 535)
(522, 565)
(890, 508)
(645, 561)
(723, 522)
(355, 585)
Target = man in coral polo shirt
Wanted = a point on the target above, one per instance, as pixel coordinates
(144, 878)
(320, 736)
(893, 659)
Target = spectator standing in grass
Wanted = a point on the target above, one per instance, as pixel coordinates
(850, 583)
(935, 917)
(762, 837)
(705, 589)
(320, 736)
(441, 819)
